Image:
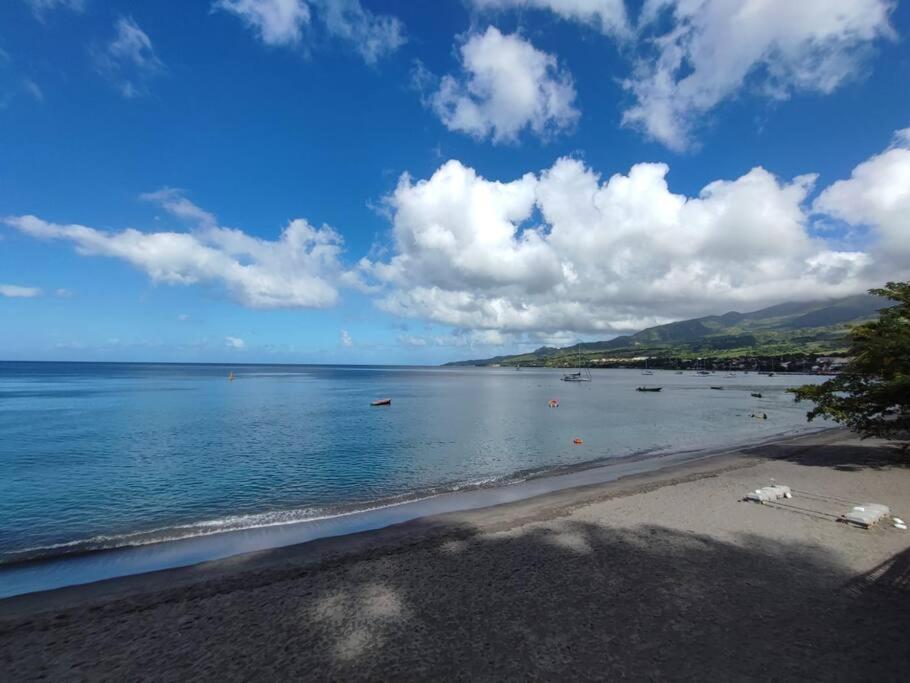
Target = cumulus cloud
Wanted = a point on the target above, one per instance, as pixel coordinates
(716, 47)
(346, 340)
(299, 269)
(607, 16)
(507, 85)
(129, 60)
(565, 250)
(18, 292)
(877, 195)
(283, 23)
(235, 343)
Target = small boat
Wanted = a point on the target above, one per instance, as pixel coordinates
(649, 388)
(578, 376)
(553, 403)
(577, 442)
(755, 394)
(718, 388)
(680, 372)
(381, 402)
(647, 371)
(703, 373)
(231, 377)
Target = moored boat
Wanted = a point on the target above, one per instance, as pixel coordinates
(578, 376)
(381, 402)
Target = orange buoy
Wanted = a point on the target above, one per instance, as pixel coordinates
(553, 403)
(578, 442)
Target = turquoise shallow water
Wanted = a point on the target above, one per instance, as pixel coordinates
(107, 455)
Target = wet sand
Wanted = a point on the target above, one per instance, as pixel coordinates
(659, 575)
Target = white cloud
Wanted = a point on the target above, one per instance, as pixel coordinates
(282, 23)
(346, 340)
(299, 269)
(716, 47)
(129, 60)
(508, 85)
(412, 341)
(608, 16)
(64, 293)
(174, 201)
(565, 251)
(373, 36)
(33, 89)
(277, 22)
(457, 339)
(235, 343)
(17, 292)
(41, 7)
(877, 195)
(183, 317)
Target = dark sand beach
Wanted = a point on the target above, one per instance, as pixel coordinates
(659, 575)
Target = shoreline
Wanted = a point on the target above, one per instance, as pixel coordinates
(625, 475)
(296, 515)
(660, 574)
(91, 565)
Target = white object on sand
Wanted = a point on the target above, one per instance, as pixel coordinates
(867, 514)
(897, 520)
(902, 527)
(769, 493)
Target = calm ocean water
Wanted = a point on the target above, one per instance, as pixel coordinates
(106, 455)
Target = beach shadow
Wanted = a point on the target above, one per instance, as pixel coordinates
(571, 601)
(853, 457)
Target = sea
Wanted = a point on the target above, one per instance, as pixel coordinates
(115, 468)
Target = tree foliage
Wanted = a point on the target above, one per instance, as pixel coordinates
(872, 395)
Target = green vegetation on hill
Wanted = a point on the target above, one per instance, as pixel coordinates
(789, 330)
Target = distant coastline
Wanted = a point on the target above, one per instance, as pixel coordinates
(790, 336)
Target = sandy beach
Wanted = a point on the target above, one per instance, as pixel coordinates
(659, 575)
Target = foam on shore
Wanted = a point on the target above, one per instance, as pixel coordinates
(118, 556)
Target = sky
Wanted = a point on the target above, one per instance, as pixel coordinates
(395, 181)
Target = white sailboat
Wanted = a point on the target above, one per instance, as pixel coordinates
(583, 374)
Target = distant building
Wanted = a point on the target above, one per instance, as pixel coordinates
(832, 361)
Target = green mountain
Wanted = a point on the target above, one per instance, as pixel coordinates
(790, 329)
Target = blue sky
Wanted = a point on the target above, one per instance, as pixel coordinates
(455, 179)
